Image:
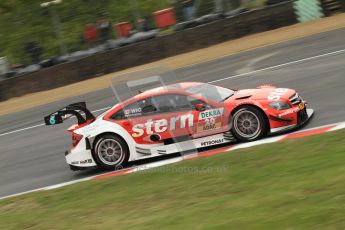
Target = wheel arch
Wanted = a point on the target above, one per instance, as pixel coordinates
(254, 106)
(98, 136)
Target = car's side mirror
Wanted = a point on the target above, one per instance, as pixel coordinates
(200, 107)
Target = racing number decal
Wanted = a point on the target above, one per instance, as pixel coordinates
(276, 94)
(52, 120)
(210, 120)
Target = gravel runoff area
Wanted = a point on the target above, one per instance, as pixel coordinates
(213, 52)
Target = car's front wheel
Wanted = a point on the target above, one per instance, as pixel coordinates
(248, 124)
(110, 152)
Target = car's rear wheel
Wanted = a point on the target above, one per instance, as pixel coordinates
(249, 124)
(110, 152)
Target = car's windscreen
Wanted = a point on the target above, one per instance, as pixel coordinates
(211, 92)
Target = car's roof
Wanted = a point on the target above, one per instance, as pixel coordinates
(172, 88)
(175, 88)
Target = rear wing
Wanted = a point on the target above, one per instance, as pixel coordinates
(77, 109)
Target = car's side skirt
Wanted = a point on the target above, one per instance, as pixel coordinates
(183, 146)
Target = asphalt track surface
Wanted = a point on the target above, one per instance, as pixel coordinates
(33, 158)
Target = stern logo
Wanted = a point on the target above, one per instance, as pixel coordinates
(162, 125)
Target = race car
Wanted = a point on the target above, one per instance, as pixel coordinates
(178, 118)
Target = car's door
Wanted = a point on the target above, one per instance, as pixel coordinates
(158, 115)
(209, 117)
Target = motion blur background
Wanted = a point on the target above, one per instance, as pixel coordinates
(37, 35)
(25, 21)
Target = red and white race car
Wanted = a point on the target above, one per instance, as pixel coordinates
(177, 118)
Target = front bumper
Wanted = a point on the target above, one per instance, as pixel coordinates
(303, 116)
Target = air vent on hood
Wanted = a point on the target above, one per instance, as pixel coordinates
(244, 97)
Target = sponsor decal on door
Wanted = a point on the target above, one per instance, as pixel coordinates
(210, 120)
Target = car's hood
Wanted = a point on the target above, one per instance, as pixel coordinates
(264, 93)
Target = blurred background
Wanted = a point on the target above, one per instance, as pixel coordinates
(38, 34)
(32, 28)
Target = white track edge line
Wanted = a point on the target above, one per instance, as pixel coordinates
(281, 65)
(39, 125)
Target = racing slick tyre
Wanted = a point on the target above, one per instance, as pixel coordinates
(249, 124)
(110, 152)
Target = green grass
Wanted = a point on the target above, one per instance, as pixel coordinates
(294, 184)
